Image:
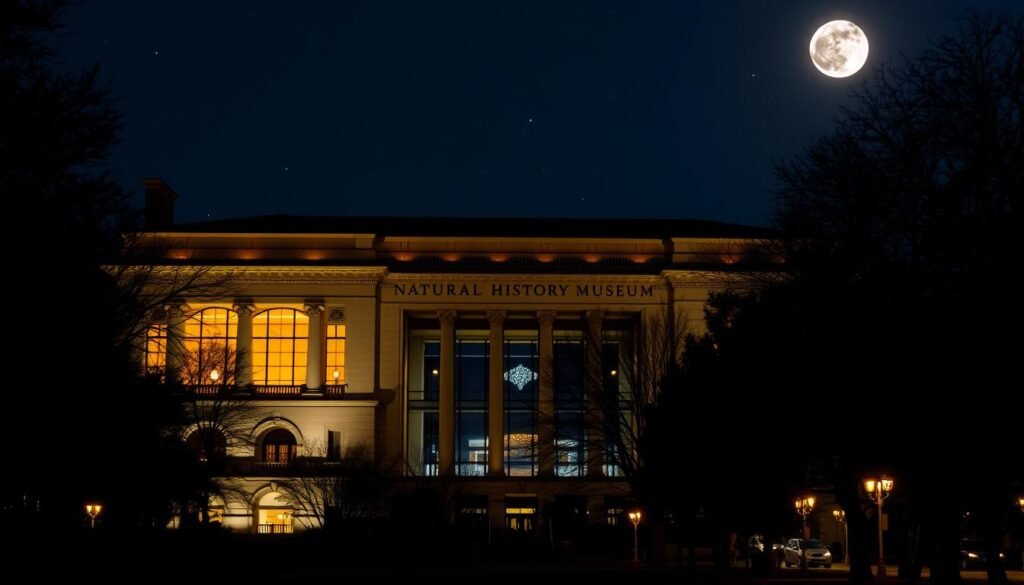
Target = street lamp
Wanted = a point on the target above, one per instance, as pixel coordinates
(634, 517)
(214, 376)
(878, 490)
(336, 374)
(840, 515)
(804, 506)
(93, 510)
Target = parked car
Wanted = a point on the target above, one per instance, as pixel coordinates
(813, 553)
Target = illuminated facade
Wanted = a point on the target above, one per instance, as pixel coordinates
(448, 348)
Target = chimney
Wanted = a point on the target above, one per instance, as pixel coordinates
(160, 200)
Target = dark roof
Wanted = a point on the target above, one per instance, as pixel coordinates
(469, 226)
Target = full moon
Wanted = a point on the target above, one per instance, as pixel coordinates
(839, 48)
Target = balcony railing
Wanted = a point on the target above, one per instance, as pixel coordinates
(276, 390)
(263, 391)
(274, 528)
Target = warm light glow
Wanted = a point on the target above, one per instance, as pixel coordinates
(592, 259)
(634, 517)
(1020, 502)
(614, 372)
(280, 343)
(878, 489)
(214, 375)
(435, 371)
(545, 258)
(499, 257)
(452, 257)
(93, 510)
(335, 366)
(804, 505)
(839, 515)
(520, 441)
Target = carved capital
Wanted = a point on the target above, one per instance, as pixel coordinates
(546, 318)
(313, 309)
(447, 317)
(244, 308)
(496, 318)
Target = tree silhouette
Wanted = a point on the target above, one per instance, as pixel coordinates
(900, 230)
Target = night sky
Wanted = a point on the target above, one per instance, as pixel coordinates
(558, 109)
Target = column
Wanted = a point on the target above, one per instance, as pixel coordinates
(594, 384)
(496, 395)
(546, 395)
(446, 404)
(175, 341)
(315, 351)
(243, 345)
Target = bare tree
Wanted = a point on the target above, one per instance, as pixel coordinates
(217, 420)
(327, 491)
(905, 218)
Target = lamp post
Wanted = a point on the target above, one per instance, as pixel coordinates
(634, 517)
(878, 490)
(804, 506)
(93, 510)
(840, 516)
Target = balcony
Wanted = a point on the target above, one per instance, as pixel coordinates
(298, 467)
(333, 392)
(274, 528)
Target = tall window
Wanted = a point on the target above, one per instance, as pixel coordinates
(613, 387)
(280, 339)
(156, 349)
(335, 353)
(424, 386)
(209, 347)
(570, 429)
(471, 406)
(521, 383)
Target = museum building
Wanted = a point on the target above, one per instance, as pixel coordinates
(449, 348)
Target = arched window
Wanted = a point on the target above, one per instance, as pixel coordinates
(279, 343)
(209, 445)
(279, 447)
(209, 347)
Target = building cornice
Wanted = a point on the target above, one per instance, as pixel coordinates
(232, 275)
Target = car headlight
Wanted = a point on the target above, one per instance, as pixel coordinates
(827, 554)
(972, 555)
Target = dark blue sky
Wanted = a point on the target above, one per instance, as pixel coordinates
(564, 109)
